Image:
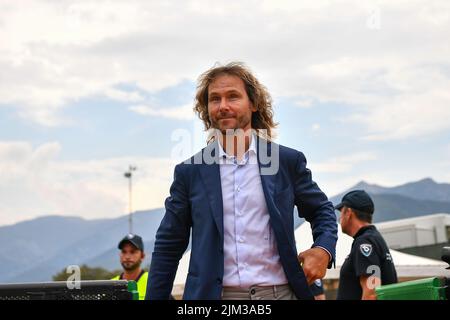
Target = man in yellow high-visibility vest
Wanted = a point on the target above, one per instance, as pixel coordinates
(131, 257)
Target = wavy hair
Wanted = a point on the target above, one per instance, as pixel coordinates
(262, 118)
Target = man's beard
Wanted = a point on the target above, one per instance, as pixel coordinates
(240, 123)
(131, 267)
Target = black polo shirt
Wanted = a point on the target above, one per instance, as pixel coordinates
(369, 253)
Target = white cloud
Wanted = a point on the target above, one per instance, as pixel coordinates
(53, 53)
(421, 107)
(343, 164)
(394, 79)
(33, 182)
(443, 165)
(304, 102)
(124, 96)
(180, 113)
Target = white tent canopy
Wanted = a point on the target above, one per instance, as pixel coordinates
(183, 269)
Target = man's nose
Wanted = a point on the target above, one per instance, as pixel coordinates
(223, 106)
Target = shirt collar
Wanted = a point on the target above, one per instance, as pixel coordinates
(251, 149)
(363, 230)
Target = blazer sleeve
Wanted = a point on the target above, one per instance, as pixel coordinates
(314, 206)
(172, 239)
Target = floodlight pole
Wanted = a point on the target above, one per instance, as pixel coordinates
(129, 176)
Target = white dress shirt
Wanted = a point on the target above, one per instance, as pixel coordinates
(250, 250)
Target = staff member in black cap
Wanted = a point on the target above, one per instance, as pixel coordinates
(131, 257)
(369, 263)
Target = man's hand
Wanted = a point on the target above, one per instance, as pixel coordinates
(368, 285)
(314, 262)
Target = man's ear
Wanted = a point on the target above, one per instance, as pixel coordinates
(351, 213)
(142, 255)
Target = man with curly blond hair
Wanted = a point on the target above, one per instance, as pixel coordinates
(236, 197)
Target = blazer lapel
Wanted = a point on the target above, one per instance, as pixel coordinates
(210, 174)
(268, 182)
(263, 147)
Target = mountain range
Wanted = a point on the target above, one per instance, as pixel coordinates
(405, 201)
(37, 249)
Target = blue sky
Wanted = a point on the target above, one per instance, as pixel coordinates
(361, 87)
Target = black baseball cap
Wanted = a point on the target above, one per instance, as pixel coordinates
(358, 200)
(134, 239)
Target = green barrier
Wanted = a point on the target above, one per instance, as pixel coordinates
(422, 289)
(132, 288)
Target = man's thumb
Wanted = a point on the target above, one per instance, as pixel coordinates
(301, 257)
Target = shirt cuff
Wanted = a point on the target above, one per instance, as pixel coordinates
(329, 254)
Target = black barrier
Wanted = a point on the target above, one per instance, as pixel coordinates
(63, 290)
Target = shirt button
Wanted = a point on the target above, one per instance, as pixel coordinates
(219, 281)
(241, 240)
(238, 189)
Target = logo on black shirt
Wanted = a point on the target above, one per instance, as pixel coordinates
(366, 249)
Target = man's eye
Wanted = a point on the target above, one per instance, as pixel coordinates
(214, 99)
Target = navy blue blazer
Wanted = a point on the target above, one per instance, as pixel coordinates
(195, 205)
